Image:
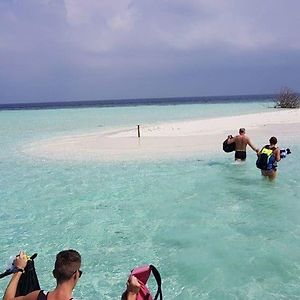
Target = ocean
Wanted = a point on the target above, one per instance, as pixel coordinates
(214, 229)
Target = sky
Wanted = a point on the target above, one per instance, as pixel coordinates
(64, 50)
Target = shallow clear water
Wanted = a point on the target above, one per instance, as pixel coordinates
(214, 229)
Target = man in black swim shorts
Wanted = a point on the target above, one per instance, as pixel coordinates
(241, 141)
(240, 155)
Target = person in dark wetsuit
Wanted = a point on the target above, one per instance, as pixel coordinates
(241, 141)
(67, 273)
(271, 174)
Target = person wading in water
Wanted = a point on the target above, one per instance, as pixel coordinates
(241, 141)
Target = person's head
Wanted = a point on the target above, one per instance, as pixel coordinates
(242, 130)
(273, 140)
(67, 265)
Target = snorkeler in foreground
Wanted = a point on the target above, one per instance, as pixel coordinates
(66, 272)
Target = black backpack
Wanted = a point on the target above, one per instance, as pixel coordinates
(228, 147)
(265, 159)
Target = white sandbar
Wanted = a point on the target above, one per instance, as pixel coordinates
(169, 140)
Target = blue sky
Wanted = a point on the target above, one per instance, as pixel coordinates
(56, 50)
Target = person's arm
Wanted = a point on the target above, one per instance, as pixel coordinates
(133, 287)
(10, 292)
(277, 154)
(252, 146)
(131, 296)
(12, 287)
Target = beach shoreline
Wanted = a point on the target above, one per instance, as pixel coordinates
(168, 140)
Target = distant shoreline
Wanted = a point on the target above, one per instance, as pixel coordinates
(169, 140)
(138, 102)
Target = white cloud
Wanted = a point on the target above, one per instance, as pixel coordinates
(93, 27)
(99, 26)
(104, 26)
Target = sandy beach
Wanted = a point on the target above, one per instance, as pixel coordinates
(169, 140)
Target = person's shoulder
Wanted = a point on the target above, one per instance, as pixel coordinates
(245, 138)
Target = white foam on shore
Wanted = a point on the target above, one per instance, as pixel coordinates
(168, 140)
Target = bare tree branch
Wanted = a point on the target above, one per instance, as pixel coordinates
(287, 98)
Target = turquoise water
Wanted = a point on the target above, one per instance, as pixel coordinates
(214, 229)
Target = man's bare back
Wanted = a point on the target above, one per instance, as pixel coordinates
(241, 141)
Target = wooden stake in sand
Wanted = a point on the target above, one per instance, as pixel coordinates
(138, 130)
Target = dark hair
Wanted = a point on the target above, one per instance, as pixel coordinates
(242, 130)
(66, 264)
(273, 140)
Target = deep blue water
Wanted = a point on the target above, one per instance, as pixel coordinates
(138, 102)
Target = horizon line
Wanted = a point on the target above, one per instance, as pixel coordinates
(131, 99)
